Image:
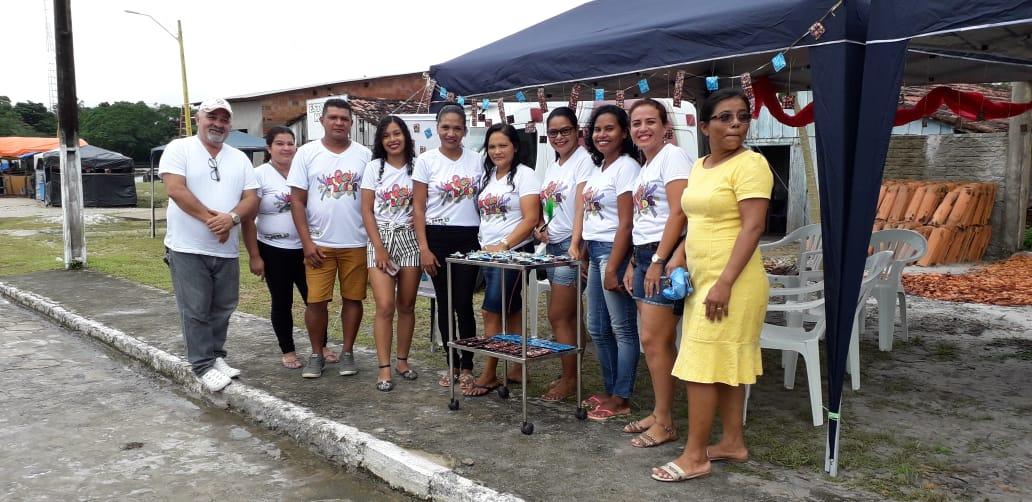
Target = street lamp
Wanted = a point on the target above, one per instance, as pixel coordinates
(182, 65)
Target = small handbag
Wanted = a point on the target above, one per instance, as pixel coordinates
(680, 285)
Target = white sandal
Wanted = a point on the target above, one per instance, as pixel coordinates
(676, 473)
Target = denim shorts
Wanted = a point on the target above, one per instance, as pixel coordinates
(513, 287)
(563, 276)
(643, 258)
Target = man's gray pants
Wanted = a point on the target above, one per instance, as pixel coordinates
(207, 290)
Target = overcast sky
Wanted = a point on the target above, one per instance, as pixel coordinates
(238, 47)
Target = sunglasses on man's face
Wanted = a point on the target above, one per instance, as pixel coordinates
(727, 117)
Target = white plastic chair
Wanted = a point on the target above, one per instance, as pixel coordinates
(907, 247)
(796, 340)
(809, 255)
(535, 290)
(426, 290)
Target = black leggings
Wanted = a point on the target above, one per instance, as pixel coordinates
(284, 269)
(443, 241)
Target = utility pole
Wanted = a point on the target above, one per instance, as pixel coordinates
(182, 67)
(73, 226)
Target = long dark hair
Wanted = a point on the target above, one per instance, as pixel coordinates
(567, 113)
(626, 146)
(489, 165)
(380, 152)
(271, 136)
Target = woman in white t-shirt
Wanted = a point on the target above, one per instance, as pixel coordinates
(393, 253)
(560, 196)
(602, 235)
(272, 241)
(659, 225)
(509, 210)
(445, 183)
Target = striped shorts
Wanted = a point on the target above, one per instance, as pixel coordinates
(401, 244)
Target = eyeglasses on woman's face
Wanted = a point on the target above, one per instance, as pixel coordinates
(727, 117)
(564, 132)
(214, 165)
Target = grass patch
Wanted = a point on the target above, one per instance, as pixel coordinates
(945, 351)
(143, 194)
(1012, 348)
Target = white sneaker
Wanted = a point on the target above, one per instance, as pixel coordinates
(215, 380)
(220, 364)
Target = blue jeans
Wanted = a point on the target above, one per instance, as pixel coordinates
(612, 323)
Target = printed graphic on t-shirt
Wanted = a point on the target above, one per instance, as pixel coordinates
(555, 191)
(339, 184)
(276, 236)
(494, 207)
(459, 189)
(282, 202)
(396, 199)
(592, 203)
(645, 199)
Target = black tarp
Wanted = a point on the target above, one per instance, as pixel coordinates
(107, 178)
(855, 70)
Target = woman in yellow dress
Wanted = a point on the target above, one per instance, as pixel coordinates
(726, 207)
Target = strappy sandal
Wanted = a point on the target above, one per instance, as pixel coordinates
(638, 426)
(447, 380)
(384, 385)
(591, 402)
(466, 381)
(330, 356)
(291, 364)
(601, 414)
(408, 374)
(645, 440)
(675, 473)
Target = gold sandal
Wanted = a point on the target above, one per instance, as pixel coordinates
(638, 426)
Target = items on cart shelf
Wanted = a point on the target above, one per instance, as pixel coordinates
(512, 345)
(517, 257)
(535, 342)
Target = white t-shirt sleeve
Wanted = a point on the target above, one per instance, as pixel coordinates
(421, 171)
(584, 170)
(173, 160)
(372, 170)
(250, 179)
(676, 166)
(529, 184)
(624, 179)
(298, 176)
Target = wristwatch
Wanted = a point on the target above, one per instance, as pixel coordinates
(657, 259)
(236, 217)
(504, 242)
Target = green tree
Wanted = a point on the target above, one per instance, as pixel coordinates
(128, 128)
(36, 116)
(11, 123)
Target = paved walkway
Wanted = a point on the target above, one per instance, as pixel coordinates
(82, 422)
(565, 458)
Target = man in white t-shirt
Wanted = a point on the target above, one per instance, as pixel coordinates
(211, 187)
(326, 204)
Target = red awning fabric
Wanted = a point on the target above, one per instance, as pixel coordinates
(17, 146)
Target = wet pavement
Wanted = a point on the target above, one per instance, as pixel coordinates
(81, 422)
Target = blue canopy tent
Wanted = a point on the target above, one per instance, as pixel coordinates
(855, 69)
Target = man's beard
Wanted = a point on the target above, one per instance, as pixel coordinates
(215, 136)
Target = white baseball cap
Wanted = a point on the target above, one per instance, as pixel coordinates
(212, 104)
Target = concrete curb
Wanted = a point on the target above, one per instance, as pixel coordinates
(341, 444)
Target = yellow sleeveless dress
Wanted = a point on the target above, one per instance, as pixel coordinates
(727, 351)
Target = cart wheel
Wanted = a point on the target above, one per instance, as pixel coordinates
(503, 392)
(453, 404)
(527, 428)
(581, 413)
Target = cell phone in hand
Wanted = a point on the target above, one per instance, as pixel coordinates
(391, 268)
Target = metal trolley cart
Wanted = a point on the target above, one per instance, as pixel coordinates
(526, 350)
